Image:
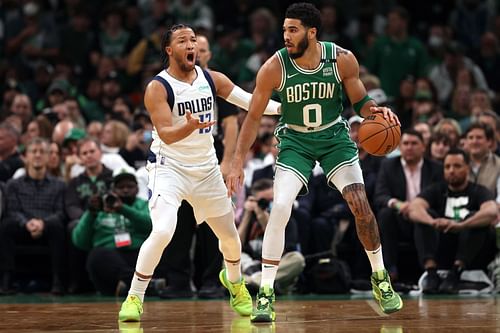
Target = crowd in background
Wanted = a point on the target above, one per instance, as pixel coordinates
(74, 134)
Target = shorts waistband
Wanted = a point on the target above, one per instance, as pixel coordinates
(304, 129)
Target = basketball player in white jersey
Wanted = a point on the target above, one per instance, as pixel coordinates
(183, 165)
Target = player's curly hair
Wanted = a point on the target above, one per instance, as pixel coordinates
(307, 13)
(167, 39)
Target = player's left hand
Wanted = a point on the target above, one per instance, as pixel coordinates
(225, 165)
(196, 123)
(235, 178)
(387, 113)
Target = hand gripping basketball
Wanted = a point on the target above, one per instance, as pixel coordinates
(379, 135)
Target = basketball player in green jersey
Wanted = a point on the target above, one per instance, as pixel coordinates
(309, 77)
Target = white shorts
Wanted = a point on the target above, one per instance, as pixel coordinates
(202, 186)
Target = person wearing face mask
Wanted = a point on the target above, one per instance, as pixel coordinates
(112, 229)
(435, 43)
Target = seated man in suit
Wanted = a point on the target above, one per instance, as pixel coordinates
(452, 222)
(400, 179)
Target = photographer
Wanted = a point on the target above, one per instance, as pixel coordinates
(251, 230)
(112, 229)
(96, 179)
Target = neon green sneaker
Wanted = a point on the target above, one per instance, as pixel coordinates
(240, 301)
(264, 311)
(131, 309)
(387, 298)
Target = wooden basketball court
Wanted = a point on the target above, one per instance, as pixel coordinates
(293, 315)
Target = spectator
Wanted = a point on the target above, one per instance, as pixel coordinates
(491, 118)
(231, 51)
(31, 38)
(114, 133)
(425, 109)
(95, 180)
(38, 127)
(488, 59)
(399, 181)
(469, 21)
(451, 128)
(451, 226)
(396, 55)
(112, 39)
(425, 130)
(143, 61)
(484, 166)
(35, 214)
(21, 106)
(479, 102)
(156, 12)
(10, 160)
(77, 39)
(190, 11)
(94, 129)
(444, 75)
(112, 229)
(439, 145)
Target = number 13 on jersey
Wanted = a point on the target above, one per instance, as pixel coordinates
(205, 118)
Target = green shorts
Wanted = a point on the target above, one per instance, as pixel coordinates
(331, 147)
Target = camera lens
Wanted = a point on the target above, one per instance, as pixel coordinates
(263, 203)
(109, 200)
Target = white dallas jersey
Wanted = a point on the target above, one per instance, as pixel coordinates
(197, 98)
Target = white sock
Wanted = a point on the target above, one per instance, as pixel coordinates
(233, 271)
(376, 259)
(268, 275)
(138, 287)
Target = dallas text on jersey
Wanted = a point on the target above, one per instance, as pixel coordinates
(195, 106)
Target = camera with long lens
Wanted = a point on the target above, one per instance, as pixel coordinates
(109, 199)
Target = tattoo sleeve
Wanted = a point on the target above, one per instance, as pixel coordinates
(366, 226)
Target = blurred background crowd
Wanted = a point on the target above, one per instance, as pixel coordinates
(74, 136)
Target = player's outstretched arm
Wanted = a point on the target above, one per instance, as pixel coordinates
(354, 88)
(237, 96)
(268, 78)
(155, 100)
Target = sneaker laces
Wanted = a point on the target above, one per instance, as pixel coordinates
(240, 293)
(264, 301)
(132, 299)
(385, 289)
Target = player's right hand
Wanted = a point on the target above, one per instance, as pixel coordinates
(195, 122)
(235, 178)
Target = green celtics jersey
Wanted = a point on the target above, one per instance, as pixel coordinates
(310, 98)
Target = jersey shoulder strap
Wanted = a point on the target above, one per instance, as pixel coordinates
(168, 88)
(211, 83)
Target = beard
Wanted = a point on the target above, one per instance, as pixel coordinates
(456, 182)
(301, 48)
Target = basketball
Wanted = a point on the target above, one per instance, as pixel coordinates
(377, 136)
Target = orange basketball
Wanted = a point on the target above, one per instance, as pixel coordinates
(377, 136)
